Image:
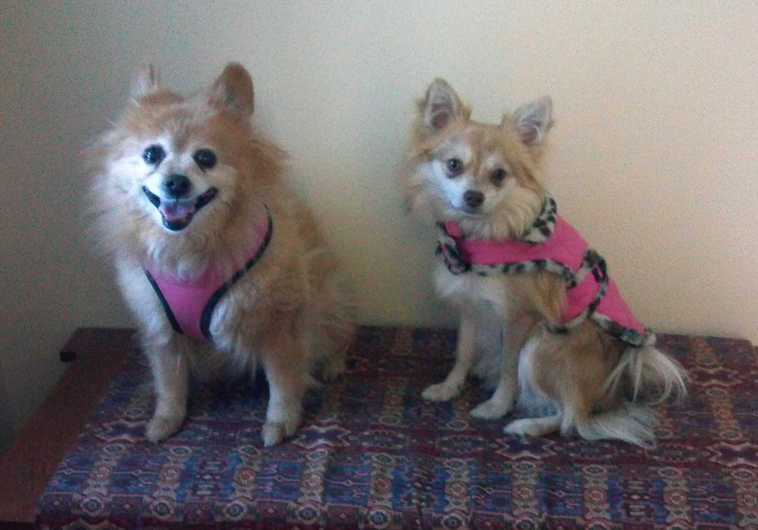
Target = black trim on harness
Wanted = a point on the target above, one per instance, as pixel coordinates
(205, 319)
(166, 306)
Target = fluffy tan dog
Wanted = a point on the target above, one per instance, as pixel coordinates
(221, 264)
(540, 318)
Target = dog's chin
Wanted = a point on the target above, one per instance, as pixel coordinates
(177, 214)
(464, 212)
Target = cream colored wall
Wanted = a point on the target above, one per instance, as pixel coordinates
(654, 150)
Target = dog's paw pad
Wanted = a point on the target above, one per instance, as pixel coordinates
(440, 392)
(490, 410)
(161, 427)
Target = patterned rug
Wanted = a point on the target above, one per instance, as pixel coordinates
(372, 454)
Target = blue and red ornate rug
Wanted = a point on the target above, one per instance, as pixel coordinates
(372, 454)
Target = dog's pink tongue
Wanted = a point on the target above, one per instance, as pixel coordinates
(177, 210)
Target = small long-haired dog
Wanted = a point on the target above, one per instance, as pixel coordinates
(221, 264)
(540, 320)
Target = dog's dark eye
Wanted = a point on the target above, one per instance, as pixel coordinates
(205, 158)
(454, 166)
(498, 176)
(153, 155)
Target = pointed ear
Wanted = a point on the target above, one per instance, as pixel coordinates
(441, 106)
(145, 81)
(534, 120)
(233, 90)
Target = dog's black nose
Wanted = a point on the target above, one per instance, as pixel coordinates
(177, 186)
(473, 199)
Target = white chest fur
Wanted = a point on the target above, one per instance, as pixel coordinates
(483, 292)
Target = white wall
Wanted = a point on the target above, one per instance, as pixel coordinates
(654, 151)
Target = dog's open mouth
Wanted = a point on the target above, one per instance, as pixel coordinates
(177, 213)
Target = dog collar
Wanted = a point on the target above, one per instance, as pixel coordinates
(189, 305)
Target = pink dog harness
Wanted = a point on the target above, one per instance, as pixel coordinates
(553, 245)
(189, 305)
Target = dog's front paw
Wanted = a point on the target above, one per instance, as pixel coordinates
(161, 427)
(281, 422)
(274, 432)
(491, 409)
(440, 392)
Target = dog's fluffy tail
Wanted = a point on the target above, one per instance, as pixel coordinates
(631, 422)
(648, 375)
(645, 376)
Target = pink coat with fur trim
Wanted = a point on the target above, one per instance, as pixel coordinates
(564, 252)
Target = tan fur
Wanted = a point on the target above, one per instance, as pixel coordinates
(289, 312)
(574, 373)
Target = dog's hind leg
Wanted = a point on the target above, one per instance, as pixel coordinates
(534, 426)
(328, 329)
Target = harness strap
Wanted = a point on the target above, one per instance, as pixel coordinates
(189, 306)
